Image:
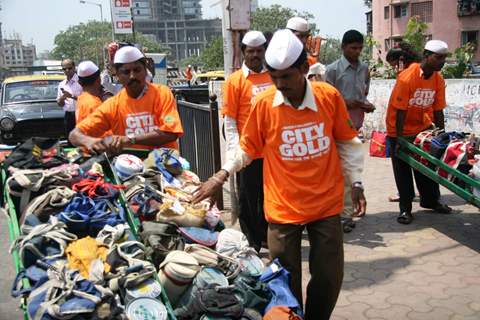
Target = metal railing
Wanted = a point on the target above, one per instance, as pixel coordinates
(200, 143)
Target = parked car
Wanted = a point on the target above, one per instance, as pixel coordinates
(29, 108)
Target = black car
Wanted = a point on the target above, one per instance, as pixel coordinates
(29, 108)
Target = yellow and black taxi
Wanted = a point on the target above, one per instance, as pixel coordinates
(29, 108)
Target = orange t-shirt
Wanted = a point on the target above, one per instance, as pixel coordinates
(311, 60)
(419, 97)
(239, 93)
(124, 115)
(86, 104)
(302, 174)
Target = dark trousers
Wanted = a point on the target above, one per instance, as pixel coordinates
(428, 189)
(251, 217)
(69, 122)
(325, 262)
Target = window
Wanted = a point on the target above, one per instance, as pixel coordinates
(386, 12)
(400, 10)
(423, 10)
(469, 36)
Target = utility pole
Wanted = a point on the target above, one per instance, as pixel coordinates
(235, 21)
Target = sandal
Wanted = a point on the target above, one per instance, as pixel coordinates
(348, 225)
(394, 198)
(405, 218)
(440, 208)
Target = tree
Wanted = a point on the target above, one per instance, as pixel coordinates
(212, 55)
(416, 33)
(86, 41)
(270, 19)
(330, 51)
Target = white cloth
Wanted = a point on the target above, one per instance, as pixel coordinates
(437, 46)
(298, 24)
(231, 136)
(74, 88)
(317, 69)
(351, 156)
(283, 50)
(86, 69)
(127, 54)
(253, 39)
(108, 83)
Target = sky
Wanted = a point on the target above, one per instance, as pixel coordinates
(38, 22)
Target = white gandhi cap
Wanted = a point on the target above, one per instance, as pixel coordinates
(437, 46)
(298, 24)
(283, 50)
(254, 39)
(127, 54)
(86, 69)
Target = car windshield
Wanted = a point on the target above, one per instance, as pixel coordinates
(35, 90)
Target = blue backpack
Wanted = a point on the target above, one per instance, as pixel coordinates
(278, 280)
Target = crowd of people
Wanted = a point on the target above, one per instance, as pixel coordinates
(292, 129)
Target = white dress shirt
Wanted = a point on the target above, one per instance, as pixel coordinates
(74, 88)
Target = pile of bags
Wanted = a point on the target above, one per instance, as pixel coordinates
(206, 270)
(83, 261)
(79, 255)
(456, 149)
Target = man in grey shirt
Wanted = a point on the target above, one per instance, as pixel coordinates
(351, 77)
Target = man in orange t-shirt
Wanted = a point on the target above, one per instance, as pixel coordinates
(93, 92)
(239, 92)
(303, 131)
(142, 115)
(300, 27)
(416, 103)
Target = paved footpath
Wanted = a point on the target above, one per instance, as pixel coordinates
(427, 270)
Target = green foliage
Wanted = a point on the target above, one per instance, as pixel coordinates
(370, 45)
(212, 55)
(463, 57)
(87, 40)
(330, 51)
(193, 60)
(416, 33)
(270, 19)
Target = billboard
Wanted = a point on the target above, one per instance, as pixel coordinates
(121, 16)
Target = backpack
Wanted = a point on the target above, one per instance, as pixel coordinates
(212, 301)
(159, 239)
(440, 143)
(35, 153)
(85, 216)
(44, 241)
(254, 294)
(65, 294)
(278, 280)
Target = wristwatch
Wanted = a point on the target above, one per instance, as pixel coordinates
(358, 184)
(131, 137)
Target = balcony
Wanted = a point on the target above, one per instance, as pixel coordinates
(467, 8)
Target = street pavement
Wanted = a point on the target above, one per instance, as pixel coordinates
(427, 270)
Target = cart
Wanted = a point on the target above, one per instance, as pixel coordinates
(407, 153)
(14, 233)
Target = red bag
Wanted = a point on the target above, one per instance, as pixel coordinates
(378, 144)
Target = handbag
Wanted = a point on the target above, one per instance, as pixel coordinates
(378, 145)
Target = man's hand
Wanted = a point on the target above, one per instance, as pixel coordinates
(354, 104)
(359, 202)
(210, 187)
(94, 145)
(368, 107)
(115, 144)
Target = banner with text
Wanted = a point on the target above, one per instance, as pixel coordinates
(122, 16)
